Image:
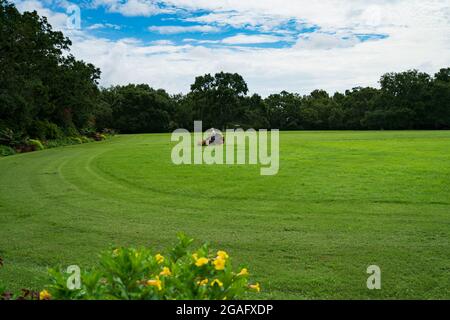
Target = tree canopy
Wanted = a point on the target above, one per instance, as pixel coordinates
(39, 82)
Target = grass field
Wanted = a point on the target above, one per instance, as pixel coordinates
(342, 201)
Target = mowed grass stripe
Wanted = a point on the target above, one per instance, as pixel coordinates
(341, 201)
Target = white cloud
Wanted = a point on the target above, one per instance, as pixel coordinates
(183, 29)
(252, 39)
(242, 39)
(96, 26)
(163, 43)
(131, 8)
(331, 58)
(190, 40)
(245, 19)
(319, 40)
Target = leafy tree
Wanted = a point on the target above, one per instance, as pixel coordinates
(355, 104)
(438, 113)
(139, 108)
(253, 113)
(217, 98)
(39, 81)
(407, 93)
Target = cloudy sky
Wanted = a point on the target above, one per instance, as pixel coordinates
(294, 45)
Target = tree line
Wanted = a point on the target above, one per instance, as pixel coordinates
(46, 92)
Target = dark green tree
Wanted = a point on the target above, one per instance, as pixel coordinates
(39, 82)
(216, 99)
(139, 108)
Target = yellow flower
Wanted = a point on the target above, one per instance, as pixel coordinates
(219, 283)
(244, 272)
(203, 282)
(200, 262)
(159, 258)
(166, 272)
(255, 287)
(44, 295)
(219, 263)
(155, 283)
(195, 256)
(222, 254)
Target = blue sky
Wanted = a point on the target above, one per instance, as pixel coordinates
(280, 44)
(179, 26)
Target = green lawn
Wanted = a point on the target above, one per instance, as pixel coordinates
(342, 201)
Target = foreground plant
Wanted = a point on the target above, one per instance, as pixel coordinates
(128, 273)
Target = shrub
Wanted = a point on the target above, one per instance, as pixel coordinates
(109, 132)
(86, 139)
(53, 131)
(36, 144)
(99, 137)
(89, 132)
(55, 143)
(128, 273)
(11, 138)
(71, 131)
(76, 140)
(59, 142)
(45, 130)
(6, 151)
(67, 141)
